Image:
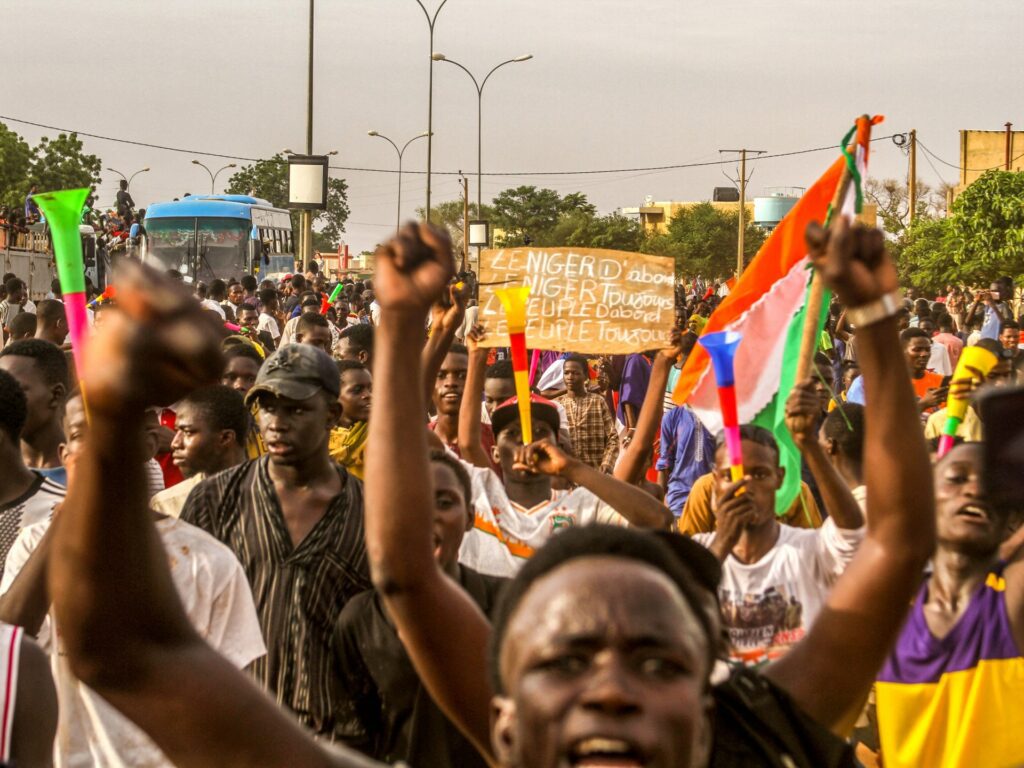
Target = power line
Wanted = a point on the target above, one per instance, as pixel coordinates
(968, 170)
(654, 168)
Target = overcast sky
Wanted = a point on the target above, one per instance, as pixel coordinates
(613, 84)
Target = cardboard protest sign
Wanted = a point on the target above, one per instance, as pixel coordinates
(588, 300)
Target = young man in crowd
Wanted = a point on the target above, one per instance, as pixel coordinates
(294, 518)
(26, 496)
(499, 386)
(386, 713)
(568, 663)
(348, 440)
(638, 680)
(591, 425)
(939, 360)
(449, 389)
(917, 347)
(21, 327)
(268, 311)
(776, 578)
(17, 301)
(42, 371)
(212, 589)
(235, 298)
(1000, 375)
(356, 344)
(842, 438)
(948, 694)
(242, 364)
(687, 453)
(313, 329)
(954, 344)
(249, 320)
(52, 322)
(997, 308)
(211, 425)
(1009, 337)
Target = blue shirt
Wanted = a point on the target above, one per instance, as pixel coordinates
(59, 475)
(687, 452)
(635, 377)
(855, 394)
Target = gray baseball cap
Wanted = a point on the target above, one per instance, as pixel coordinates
(296, 371)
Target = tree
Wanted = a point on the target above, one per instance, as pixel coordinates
(702, 239)
(527, 213)
(449, 215)
(581, 229)
(61, 164)
(892, 198)
(269, 179)
(15, 161)
(982, 239)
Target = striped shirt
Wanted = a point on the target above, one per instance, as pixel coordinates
(299, 590)
(33, 506)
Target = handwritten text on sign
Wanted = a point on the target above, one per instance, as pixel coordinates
(584, 299)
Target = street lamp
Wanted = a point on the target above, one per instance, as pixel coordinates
(398, 216)
(128, 179)
(479, 120)
(213, 176)
(430, 93)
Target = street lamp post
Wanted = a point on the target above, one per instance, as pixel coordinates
(129, 178)
(479, 85)
(398, 216)
(213, 176)
(430, 93)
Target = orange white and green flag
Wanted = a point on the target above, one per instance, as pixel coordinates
(767, 305)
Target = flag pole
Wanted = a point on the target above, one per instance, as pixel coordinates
(816, 295)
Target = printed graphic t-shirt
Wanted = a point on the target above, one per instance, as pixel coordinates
(769, 605)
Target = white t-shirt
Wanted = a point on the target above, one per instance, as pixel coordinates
(939, 360)
(268, 324)
(769, 605)
(34, 506)
(215, 306)
(505, 535)
(218, 601)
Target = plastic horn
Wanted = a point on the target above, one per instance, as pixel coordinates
(722, 348)
(973, 362)
(108, 293)
(63, 211)
(232, 327)
(331, 299)
(514, 302)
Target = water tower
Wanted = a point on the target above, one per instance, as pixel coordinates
(772, 207)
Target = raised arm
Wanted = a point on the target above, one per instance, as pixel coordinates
(446, 321)
(442, 629)
(802, 411)
(830, 671)
(638, 507)
(633, 461)
(470, 445)
(122, 624)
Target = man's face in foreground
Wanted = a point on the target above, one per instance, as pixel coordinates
(604, 664)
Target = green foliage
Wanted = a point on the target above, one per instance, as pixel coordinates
(551, 220)
(526, 212)
(15, 161)
(449, 215)
(52, 164)
(60, 164)
(269, 179)
(982, 239)
(702, 240)
(582, 229)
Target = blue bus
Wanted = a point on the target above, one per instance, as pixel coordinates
(219, 236)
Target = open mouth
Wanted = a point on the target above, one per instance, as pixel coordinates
(974, 512)
(600, 752)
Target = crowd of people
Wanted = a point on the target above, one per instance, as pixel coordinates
(297, 524)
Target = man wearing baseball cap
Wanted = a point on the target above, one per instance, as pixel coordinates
(294, 519)
(517, 513)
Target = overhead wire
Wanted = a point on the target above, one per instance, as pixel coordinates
(358, 169)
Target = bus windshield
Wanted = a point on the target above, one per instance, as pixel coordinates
(200, 248)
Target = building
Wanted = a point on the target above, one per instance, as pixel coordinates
(765, 211)
(982, 151)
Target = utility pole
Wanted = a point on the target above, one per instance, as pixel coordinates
(307, 216)
(742, 182)
(465, 222)
(1009, 146)
(912, 180)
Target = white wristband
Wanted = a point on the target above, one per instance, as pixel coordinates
(875, 311)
